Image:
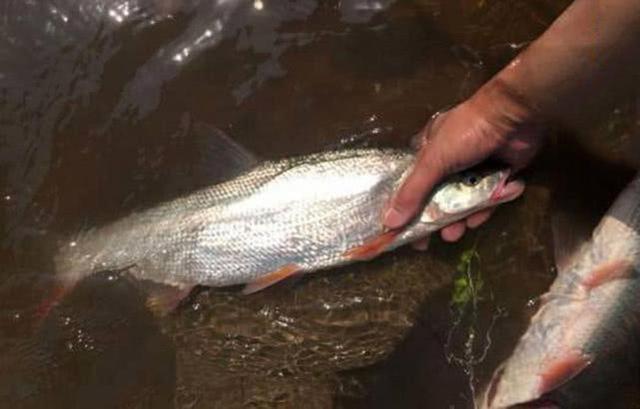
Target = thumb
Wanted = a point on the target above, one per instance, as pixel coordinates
(426, 173)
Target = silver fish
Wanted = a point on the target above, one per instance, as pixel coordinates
(590, 315)
(280, 218)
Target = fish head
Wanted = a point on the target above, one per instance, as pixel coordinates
(468, 192)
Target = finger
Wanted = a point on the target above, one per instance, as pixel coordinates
(418, 140)
(421, 245)
(453, 232)
(521, 149)
(479, 218)
(423, 177)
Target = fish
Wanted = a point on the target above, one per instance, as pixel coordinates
(587, 327)
(276, 219)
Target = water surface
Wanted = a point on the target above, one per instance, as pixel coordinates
(100, 100)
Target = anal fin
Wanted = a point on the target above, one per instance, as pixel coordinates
(163, 299)
(271, 278)
(373, 247)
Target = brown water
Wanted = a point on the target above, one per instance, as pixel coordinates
(99, 99)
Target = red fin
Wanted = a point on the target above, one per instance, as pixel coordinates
(51, 301)
(271, 278)
(163, 299)
(608, 271)
(373, 247)
(560, 370)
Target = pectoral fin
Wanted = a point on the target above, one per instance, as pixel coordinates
(561, 370)
(608, 271)
(51, 301)
(271, 278)
(373, 247)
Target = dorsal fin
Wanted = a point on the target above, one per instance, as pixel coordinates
(569, 236)
(220, 157)
(207, 156)
(579, 202)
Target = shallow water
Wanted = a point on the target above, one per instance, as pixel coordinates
(99, 102)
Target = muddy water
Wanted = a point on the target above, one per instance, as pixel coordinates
(99, 104)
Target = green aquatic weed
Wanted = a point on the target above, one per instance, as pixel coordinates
(469, 339)
(468, 284)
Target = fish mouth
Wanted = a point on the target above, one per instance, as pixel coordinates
(507, 190)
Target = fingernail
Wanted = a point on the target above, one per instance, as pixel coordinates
(393, 218)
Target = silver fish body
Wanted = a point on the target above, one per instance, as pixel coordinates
(306, 212)
(588, 318)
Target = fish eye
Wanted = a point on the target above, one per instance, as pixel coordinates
(470, 180)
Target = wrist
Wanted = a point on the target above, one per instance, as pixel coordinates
(506, 109)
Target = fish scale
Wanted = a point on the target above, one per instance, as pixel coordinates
(303, 214)
(310, 223)
(589, 316)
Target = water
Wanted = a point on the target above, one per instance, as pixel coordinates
(99, 101)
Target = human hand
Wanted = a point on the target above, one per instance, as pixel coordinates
(493, 123)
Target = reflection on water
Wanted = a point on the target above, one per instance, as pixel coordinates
(98, 101)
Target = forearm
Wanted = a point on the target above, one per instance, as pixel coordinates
(592, 47)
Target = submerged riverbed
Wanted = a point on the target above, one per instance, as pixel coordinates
(99, 104)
